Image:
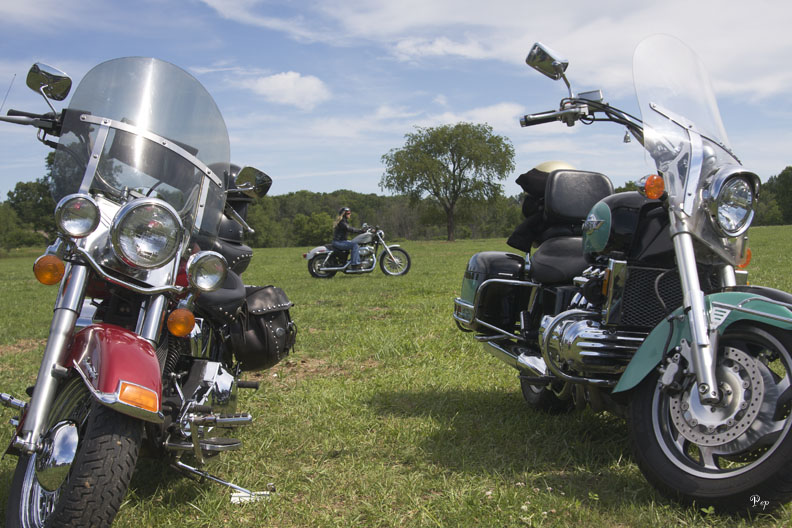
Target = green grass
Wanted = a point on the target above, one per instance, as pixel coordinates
(387, 415)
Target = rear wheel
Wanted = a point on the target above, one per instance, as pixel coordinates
(735, 455)
(315, 265)
(90, 491)
(397, 265)
(544, 399)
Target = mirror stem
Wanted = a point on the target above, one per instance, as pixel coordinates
(41, 91)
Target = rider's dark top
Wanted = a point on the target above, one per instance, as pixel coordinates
(342, 228)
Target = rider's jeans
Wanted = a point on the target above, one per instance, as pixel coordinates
(347, 245)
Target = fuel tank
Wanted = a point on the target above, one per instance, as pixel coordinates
(628, 226)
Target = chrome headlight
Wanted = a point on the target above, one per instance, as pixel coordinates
(146, 233)
(206, 271)
(735, 206)
(77, 215)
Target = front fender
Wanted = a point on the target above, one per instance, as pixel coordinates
(120, 368)
(742, 303)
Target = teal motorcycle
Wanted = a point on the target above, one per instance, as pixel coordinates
(634, 302)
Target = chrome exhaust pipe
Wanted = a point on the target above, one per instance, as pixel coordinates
(518, 357)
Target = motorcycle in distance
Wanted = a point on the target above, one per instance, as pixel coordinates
(631, 302)
(152, 325)
(325, 261)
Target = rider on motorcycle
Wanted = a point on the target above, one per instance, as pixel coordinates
(341, 228)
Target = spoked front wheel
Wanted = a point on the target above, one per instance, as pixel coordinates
(398, 264)
(88, 491)
(735, 455)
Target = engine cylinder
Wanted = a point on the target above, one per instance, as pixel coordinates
(576, 339)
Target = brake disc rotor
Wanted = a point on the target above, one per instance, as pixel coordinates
(743, 390)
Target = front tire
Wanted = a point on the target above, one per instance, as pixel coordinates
(315, 265)
(96, 484)
(737, 455)
(396, 266)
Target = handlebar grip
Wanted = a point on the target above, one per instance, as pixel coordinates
(22, 113)
(539, 119)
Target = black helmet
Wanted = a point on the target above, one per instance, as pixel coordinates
(343, 211)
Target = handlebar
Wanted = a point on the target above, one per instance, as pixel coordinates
(49, 122)
(22, 113)
(566, 115)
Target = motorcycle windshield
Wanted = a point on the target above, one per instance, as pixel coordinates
(683, 129)
(144, 127)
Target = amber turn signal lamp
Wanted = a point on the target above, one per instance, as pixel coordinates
(49, 269)
(746, 260)
(138, 396)
(654, 187)
(181, 322)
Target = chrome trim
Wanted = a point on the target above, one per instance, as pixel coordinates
(153, 317)
(93, 163)
(110, 399)
(62, 204)
(702, 351)
(525, 363)
(617, 281)
(132, 129)
(740, 308)
(712, 193)
(544, 337)
(58, 449)
(127, 209)
(120, 282)
(202, 255)
(461, 304)
(67, 309)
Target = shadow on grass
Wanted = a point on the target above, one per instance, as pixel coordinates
(486, 432)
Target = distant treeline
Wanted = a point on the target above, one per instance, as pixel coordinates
(306, 218)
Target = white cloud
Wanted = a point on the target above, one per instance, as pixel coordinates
(416, 48)
(290, 88)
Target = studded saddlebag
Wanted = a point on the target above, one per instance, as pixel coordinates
(264, 333)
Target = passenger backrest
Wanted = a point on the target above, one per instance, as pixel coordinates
(570, 194)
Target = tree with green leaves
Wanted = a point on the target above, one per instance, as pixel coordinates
(780, 187)
(447, 163)
(34, 206)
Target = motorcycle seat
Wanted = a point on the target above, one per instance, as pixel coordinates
(222, 306)
(558, 260)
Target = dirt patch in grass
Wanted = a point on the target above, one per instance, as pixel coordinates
(290, 371)
(20, 347)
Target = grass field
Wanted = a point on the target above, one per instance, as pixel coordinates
(386, 415)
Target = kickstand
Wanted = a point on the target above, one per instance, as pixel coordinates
(240, 496)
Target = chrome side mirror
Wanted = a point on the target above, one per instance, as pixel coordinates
(253, 182)
(546, 61)
(49, 81)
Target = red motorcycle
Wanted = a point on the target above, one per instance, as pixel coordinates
(152, 324)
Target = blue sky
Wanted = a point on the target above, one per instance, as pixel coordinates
(315, 92)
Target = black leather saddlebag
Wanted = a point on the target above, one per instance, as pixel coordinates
(264, 334)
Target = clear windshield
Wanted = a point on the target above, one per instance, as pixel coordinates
(165, 131)
(682, 125)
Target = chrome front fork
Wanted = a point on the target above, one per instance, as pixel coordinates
(702, 350)
(67, 309)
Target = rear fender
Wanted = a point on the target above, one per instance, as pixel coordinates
(739, 304)
(120, 368)
(319, 250)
